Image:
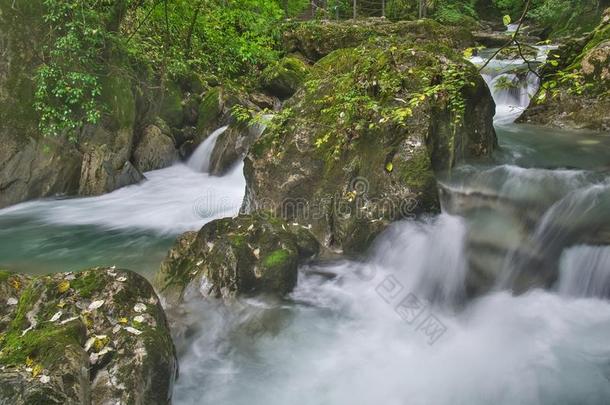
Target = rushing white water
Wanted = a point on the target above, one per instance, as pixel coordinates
(383, 332)
(170, 200)
(200, 160)
(511, 82)
(586, 272)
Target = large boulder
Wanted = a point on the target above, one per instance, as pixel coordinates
(316, 39)
(33, 168)
(95, 337)
(358, 147)
(575, 84)
(283, 78)
(249, 254)
(155, 150)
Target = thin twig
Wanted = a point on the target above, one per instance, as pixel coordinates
(513, 37)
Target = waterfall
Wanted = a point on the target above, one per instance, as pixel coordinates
(511, 82)
(200, 160)
(585, 272)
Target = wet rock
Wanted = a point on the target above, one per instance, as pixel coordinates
(579, 100)
(94, 337)
(155, 150)
(102, 171)
(232, 145)
(235, 256)
(31, 168)
(358, 147)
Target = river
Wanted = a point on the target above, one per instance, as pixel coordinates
(397, 328)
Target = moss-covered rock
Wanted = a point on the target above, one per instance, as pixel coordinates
(99, 336)
(575, 89)
(249, 254)
(358, 147)
(283, 78)
(317, 39)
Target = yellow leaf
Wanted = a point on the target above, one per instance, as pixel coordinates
(29, 362)
(63, 286)
(36, 370)
(16, 284)
(123, 320)
(389, 167)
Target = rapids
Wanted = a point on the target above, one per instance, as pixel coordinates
(396, 328)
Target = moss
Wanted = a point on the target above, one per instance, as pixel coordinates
(171, 107)
(45, 346)
(284, 77)
(4, 275)
(87, 283)
(210, 109)
(118, 95)
(276, 258)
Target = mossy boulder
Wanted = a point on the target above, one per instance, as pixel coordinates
(155, 150)
(316, 39)
(358, 147)
(575, 88)
(246, 255)
(283, 78)
(99, 336)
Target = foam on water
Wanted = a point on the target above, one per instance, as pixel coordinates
(344, 341)
(170, 200)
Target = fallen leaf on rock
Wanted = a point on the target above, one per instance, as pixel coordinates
(133, 331)
(65, 321)
(89, 343)
(45, 379)
(139, 307)
(95, 305)
(63, 286)
(139, 319)
(56, 317)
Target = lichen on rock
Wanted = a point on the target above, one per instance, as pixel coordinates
(99, 336)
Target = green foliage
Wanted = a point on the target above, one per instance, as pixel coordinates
(558, 16)
(67, 82)
(376, 94)
(456, 12)
(222, 39)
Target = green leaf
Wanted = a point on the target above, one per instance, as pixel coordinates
(389, 167)
(506, 19)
